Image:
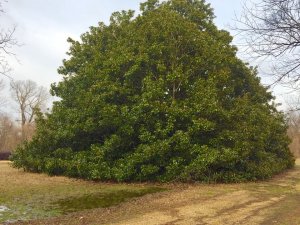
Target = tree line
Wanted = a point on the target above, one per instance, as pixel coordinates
(28, 97)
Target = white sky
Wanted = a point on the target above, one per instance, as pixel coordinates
(43, 27)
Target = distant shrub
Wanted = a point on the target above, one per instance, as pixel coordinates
(5, 155)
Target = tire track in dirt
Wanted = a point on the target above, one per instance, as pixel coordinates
(232, 208)
(238, 207)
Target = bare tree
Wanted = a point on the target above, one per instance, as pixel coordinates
(271, 28)
(30, 97)
(5, 131)
(294, 132)
(7, 41)
(10, 134)
(2, 99)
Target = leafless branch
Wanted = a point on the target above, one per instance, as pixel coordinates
(29, 97)
(7, 42)
(271, 28)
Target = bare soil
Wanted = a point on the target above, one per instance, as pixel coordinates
(276, 201)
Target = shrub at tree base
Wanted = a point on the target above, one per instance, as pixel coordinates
(161, 97)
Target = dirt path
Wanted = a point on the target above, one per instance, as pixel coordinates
(273, 202)
(255, 203)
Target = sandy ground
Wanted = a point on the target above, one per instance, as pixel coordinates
(272, 202)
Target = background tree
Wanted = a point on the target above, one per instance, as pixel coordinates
(5, 131)
(7, 41)
(2, 98)
(10, 134)
(294, 131)
(159, 96)
(271, 29)
(30, 98)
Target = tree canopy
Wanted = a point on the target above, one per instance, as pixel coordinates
(159, 96)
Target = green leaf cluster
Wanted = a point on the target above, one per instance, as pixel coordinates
(160, 96)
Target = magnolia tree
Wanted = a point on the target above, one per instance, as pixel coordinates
(159, 96)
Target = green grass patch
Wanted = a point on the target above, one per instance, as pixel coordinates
(100, 200)
(33, 196)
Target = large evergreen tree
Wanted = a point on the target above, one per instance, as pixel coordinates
(161, 96)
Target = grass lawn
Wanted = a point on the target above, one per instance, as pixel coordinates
(40, 199)
(26, 196)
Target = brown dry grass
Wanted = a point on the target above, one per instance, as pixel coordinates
(271, 202)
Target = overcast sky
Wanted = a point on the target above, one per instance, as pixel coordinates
(43, 27)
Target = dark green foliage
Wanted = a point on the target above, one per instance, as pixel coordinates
(161, 96)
